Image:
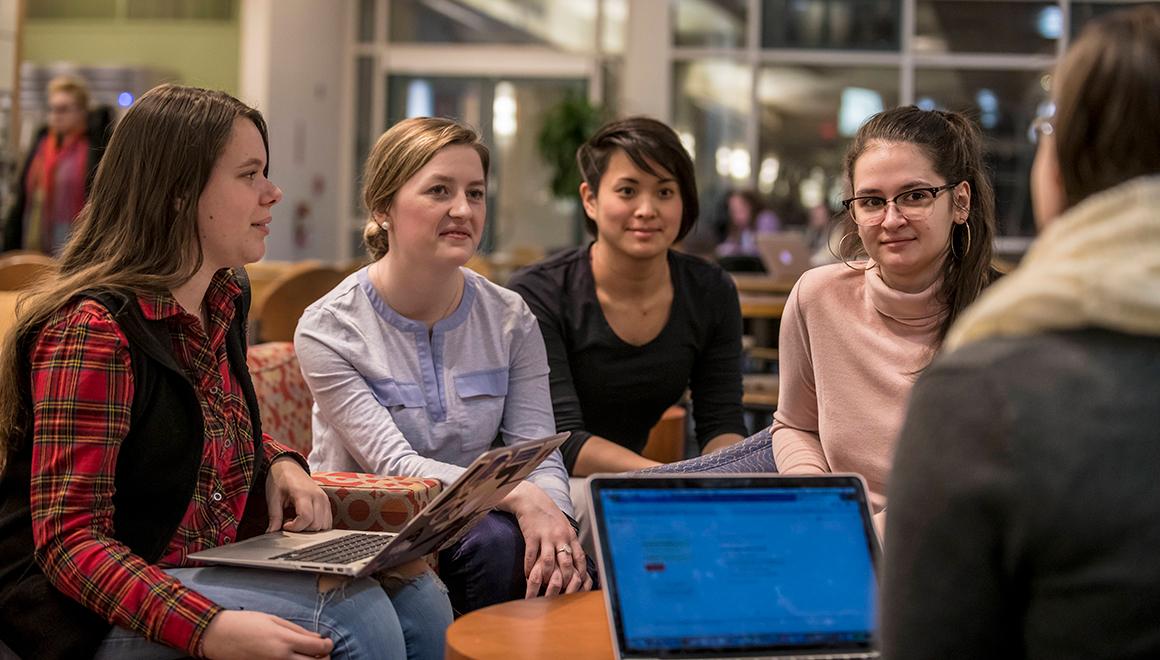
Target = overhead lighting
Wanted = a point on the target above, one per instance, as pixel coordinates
(503, 110)
(420, 102)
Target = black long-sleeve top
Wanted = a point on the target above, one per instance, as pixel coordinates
(603, 386)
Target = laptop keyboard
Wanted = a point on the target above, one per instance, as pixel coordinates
(342, 550)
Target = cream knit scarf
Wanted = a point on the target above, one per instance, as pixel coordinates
(1096, 265)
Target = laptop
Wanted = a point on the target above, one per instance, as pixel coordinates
(445, 520)
(785, 255)
(736, 566)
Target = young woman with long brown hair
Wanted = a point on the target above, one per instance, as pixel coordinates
(130, 435)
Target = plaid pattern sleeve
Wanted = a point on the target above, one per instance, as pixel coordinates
(82, 397)
(275, 449)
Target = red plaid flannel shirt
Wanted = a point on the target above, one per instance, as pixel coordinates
(82, 391)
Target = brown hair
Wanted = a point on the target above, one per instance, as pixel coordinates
(643, 140)
(1108, 103)
(137, 232)
(397, 156)
(954, 147)
(74, 85)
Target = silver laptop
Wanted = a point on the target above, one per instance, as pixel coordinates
(785, 255)
(736, 566)
(479, 489)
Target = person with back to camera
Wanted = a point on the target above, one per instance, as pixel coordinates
(129, 364)
(1024, 511)
(417, 364)
(629, 323)
(855, 335)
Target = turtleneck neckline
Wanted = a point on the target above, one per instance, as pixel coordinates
(916, 309)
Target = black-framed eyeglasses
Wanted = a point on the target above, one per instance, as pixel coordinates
(914, 204)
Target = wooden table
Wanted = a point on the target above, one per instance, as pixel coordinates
(766, 306)
(572, 626)
(756, 283)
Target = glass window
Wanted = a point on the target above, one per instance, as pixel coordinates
(508, 112)
(364, 86)
(709, 23)
(1004, 103)
(970, 26)
(565, 24)
(615, 20)
(365, 19)
(51, 9)
(200, 10)
(711, 106)
(808, 116)
(1082, 12)
(836, 24)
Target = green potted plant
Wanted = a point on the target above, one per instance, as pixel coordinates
(567, 125)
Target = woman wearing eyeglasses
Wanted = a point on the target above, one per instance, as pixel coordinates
(855, 335)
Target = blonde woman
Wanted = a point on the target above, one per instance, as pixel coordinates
(418, 365)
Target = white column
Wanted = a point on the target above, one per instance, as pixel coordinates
(648, 77)
(290, 68)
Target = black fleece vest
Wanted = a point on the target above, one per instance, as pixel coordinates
(155, 476)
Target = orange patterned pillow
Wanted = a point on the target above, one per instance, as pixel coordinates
(283, 396)
(369, 502)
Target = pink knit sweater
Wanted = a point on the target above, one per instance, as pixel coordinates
(850, 350)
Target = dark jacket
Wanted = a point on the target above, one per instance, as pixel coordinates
(38, 620)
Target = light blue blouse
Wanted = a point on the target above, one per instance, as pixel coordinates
(389, 398)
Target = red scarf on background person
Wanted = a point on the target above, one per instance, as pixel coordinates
(40, 216)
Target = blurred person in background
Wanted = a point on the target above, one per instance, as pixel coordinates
(55, 179)
(745, 218)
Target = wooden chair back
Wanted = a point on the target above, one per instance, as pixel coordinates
(666, 439)
(19, 269)
(7, 313)
(263, 273)
(481, 265)
(275, 314)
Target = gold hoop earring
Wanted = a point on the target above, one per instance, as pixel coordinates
(841, 251)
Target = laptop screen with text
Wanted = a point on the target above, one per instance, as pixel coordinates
(738, 568)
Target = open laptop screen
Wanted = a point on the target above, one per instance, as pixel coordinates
(737, 569)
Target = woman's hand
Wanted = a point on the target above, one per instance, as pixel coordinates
(288, 485)
(243, 635)
(553, 558)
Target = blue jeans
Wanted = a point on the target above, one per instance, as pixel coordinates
(486, 566)
(359, 617)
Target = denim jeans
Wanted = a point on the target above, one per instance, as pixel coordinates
(486, 566)
(359, 616)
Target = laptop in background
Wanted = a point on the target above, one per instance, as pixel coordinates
(730, 566)
(443, 521)
(786, 255)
